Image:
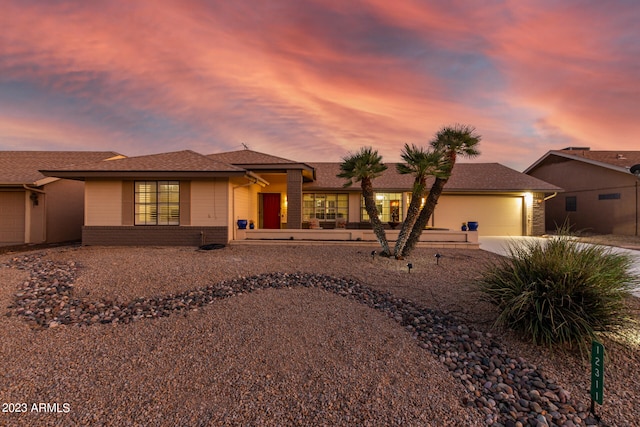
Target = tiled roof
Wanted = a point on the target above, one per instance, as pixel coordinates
(22, 167)
(249, 157)
(465, 177)
(178, 161)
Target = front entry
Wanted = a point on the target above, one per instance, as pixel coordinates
(270, 210)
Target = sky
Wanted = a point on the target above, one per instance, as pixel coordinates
(315, 80)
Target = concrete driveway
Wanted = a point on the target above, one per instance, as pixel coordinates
(498, 245)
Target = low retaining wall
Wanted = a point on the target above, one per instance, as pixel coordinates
(153, 235)
(354, 235)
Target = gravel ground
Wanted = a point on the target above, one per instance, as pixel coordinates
(290, 356)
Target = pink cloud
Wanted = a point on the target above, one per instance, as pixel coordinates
(321, 78)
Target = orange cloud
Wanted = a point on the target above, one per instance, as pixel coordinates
(320, 78)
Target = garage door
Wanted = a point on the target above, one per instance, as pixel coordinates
(496, 215)
(11, 217)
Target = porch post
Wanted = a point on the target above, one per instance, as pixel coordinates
(294, 199)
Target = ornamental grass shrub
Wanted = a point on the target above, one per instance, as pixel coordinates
(560, 292)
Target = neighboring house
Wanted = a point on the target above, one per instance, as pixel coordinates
(39, 209)
(185, 198)
(601, 190)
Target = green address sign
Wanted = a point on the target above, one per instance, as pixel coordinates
(597, 371)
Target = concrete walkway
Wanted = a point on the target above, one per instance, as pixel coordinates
(499, 244)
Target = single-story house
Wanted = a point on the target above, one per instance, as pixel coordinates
(186, 198)
(39, 209)
(602, 192)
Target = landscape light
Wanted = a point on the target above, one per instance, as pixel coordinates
(410, 266)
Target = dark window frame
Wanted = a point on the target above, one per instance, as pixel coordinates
(571, 203)
(609, 196)
(156, 202)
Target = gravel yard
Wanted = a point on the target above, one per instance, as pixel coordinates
(296, 355)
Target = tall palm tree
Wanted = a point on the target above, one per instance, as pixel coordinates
(421, 163)
(451, 141)
(364, 166)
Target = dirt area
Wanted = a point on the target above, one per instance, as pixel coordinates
(271, 357)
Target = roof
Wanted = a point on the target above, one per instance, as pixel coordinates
(256, 161)
(619, 161)
(249, 157)
(23, 167)
(179, 163)
(477, 177)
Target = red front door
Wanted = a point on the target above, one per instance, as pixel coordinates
(271, 210)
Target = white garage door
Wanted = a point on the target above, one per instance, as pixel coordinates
(11, 217)
(496, 215)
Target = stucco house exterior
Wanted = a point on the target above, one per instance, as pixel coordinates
(602, 193)
(503, 201)
(39, 209)
(186, 198)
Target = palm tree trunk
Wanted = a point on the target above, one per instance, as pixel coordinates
(429, 206)
(372, 211)
(412, 216)
(425, 215)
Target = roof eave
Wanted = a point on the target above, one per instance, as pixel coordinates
(83, 175)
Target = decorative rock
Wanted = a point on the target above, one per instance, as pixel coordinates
(509, 390)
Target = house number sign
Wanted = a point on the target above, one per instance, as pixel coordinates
(597, 372)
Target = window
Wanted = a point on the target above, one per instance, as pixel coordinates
(157, 203)
(610, 196)
(325, 207)
(389, 207)
(570, 204)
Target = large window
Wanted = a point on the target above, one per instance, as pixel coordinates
(389, 207)
(325, 207)
(157, 203)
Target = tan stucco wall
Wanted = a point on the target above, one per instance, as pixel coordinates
(586, 182)
(355, 200)
(242, 202)
(209, 203)
(35, 219)
(103, 203)
(65, 210)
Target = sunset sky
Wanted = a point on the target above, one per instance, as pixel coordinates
(313, 80)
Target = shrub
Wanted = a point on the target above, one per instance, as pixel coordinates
(560, 291)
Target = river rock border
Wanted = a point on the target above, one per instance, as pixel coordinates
(510, 391)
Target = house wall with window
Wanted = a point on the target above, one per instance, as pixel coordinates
(160, 212)
(596, 199)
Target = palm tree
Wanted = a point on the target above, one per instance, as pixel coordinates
(421, 163)
(451, 141)
(365, 166)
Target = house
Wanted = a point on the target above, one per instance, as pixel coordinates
(39, 209)
(601, 189)
(504, 202)
(186, 198)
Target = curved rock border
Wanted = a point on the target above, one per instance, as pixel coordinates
(509, 390)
